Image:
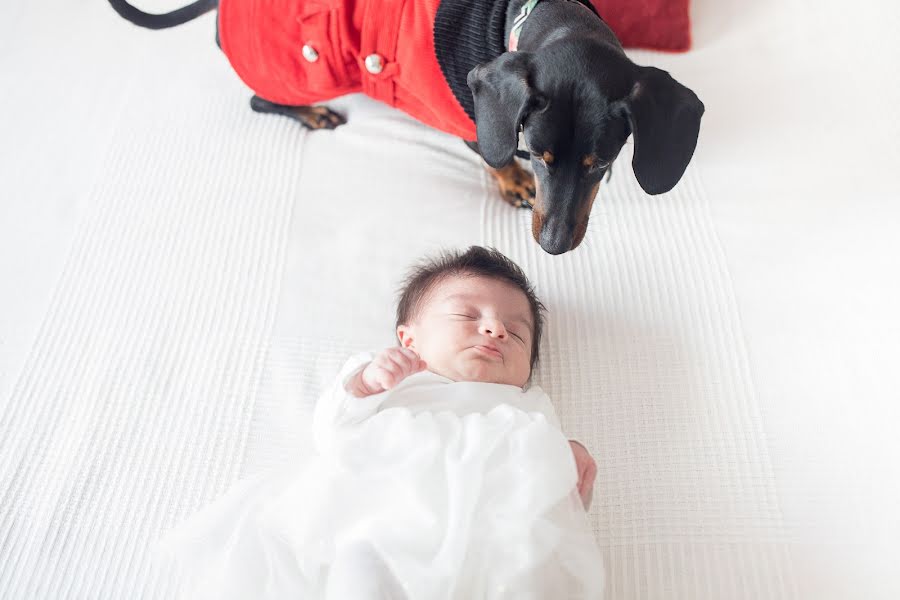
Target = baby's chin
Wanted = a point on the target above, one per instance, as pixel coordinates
(484, 371)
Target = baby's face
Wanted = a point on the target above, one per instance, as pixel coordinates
(473, 328)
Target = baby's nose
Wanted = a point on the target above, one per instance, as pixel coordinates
(493, 328)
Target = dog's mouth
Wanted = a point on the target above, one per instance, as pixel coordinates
(555, 233)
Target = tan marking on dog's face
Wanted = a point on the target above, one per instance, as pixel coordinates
(548, 157)
(537, 212)
(584, 214)
(589, 160)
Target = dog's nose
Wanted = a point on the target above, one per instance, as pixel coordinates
(555, 238)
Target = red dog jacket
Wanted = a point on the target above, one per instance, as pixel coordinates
(299, 52)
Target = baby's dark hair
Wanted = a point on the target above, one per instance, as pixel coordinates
(475, 261)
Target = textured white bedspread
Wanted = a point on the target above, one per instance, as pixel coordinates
(179, 276)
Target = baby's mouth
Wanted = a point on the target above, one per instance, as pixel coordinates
(489, 351)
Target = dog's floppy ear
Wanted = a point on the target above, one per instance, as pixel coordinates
(665, 119)
(503, 98)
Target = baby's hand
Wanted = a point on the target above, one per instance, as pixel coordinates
(587, 472)
(389, 368)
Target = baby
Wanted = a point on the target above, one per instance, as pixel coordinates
(436, 476)
(469, 317)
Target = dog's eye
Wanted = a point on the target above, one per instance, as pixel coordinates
(593, 163)
(545, 157)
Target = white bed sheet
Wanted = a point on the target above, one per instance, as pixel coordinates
(181, 275)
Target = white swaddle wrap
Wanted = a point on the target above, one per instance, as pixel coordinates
(433, 490)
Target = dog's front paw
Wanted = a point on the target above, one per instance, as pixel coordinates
(516, 184)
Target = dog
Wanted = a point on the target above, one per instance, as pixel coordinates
(548, 72)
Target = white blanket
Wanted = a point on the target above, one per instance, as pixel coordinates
(433, 490)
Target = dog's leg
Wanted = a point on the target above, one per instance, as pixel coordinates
(516, 184)
(311, 117)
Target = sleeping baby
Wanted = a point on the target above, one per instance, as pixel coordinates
(438, 473)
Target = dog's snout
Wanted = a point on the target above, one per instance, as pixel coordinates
(556, 236)
(555, 245)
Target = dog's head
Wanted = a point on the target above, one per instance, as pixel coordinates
(577, 101)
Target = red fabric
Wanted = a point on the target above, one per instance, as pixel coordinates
(655, 24)
(263, 40)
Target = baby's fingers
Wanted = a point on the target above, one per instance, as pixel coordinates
(409, 361)
(418, 365)
(386, 378)
(400, 363)
(586, 483)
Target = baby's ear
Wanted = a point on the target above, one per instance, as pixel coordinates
(404, 335)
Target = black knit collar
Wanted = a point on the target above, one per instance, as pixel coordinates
(468, 33)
